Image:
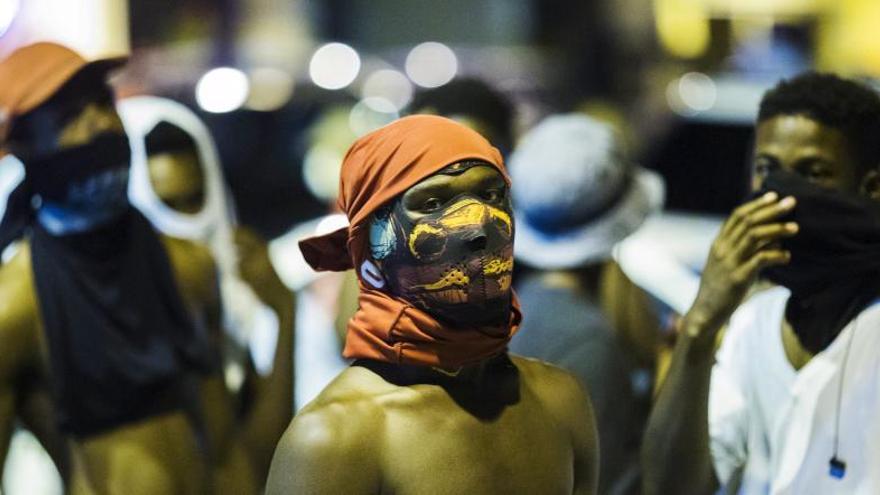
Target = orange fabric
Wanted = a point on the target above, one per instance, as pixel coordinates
(32, 74)
(377, 168)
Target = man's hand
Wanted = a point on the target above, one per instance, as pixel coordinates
(256, 269)
(747, 243)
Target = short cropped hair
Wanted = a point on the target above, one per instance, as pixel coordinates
(850, 107)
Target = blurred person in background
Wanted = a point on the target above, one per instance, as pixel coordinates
(432, 389)
(92, 314)
(474, 103)
(788, 403)
(177, 183)
(326, 300)
(576, 195)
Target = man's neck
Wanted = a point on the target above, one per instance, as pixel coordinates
(798, 356)
(484, 389)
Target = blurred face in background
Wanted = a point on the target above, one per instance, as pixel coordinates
(178, 179)
(799, 144)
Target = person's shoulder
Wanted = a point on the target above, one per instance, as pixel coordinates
(185, 252)
(17, 284)
(19, 319)
(193, 266)
(347, 416)
(552, 384)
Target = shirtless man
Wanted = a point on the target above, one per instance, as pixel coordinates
(111, 338)
(433, 403)
(177, 183)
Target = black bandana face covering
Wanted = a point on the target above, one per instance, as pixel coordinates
(834, 272)
(456, 263)
(82, 188)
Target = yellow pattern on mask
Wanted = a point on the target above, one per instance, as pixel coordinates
(465, 213)
(498, 266)
(419, 229)
(469, 212)
(455, 277)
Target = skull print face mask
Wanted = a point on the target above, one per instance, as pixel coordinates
(456, 262)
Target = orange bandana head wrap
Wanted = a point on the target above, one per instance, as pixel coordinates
(377, 168)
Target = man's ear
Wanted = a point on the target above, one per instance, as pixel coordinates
(871, 185)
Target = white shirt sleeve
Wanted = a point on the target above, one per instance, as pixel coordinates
(728, 406)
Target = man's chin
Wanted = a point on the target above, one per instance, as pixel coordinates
(494, 312)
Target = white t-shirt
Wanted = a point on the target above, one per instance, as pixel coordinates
(778, 424)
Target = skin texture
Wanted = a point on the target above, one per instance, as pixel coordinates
(677, 432)
(160, 454)
(368, 434)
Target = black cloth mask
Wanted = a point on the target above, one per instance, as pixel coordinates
(456, 263)
(120, 340)
(81, 187)
(834, 272)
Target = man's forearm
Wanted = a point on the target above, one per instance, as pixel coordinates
(272, 409)
(675, 453)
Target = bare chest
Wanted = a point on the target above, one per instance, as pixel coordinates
(448, 450)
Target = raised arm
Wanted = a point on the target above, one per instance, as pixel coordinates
(271, 409)
(675, 451)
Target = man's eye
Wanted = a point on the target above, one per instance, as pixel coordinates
(432, 204)
(492, 195)
(762, 169)
(818, 174)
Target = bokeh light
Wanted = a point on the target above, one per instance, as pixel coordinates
(334, 66)
(8, 11)
(390, 85)
(431, 64)
(223, 89)
(692, 93)
(270, 89)
(370, 114)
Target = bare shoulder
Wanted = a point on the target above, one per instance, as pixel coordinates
(334, 444)
(560, 391)
(547, 379)
(564, 397)
(19, 320)
(185, 253)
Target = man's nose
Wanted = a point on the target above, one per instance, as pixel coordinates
(477, 242)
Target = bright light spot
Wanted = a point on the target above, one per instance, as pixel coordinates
(331, 223)
(223, 89)
(431, 64)
(370, 114)
(8, 11)
(334, 66)
(270, 89)
(321, 168)
(389, 85)
(692, 93)
(11, 175)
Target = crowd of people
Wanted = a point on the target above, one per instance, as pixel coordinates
(459, 322)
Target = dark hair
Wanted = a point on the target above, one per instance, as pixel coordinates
(851, 107)
(472, 97)
(168, 138)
